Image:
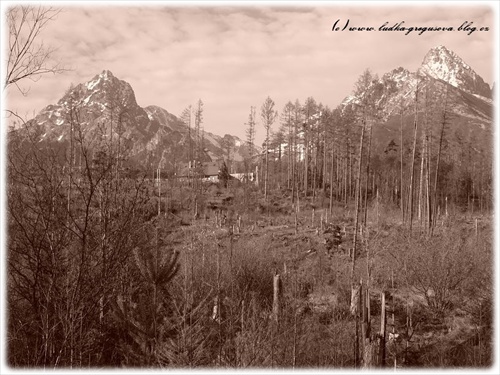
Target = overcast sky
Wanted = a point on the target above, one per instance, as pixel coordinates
(233, 56)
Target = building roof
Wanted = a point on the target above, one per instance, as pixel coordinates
(210, 168)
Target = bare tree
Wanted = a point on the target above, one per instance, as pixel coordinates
(198, 120)
(401, 189)
(297, 121)
(268, 115)
(412, 168)
(250, 133)
(441, 137)
(309, 110)
(186, 119)
(27, 56)
(363, 87)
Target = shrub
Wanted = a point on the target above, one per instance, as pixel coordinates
(440, 267)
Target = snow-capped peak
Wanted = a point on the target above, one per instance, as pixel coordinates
(106, 74)
(441, 63)
(91, 84)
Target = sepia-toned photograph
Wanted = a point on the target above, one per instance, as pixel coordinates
(248, 186)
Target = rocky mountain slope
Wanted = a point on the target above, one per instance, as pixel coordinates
(441, 63)
(104, 111)
(443, 83)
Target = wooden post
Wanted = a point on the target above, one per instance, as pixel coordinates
(363, 348)
(277, 292)
(408, 328)
(356, 342)
(356, 306)
(383, 321)
(242, 315)
(368, 347)
(216, 310)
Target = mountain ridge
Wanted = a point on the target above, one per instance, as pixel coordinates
(439, 65)
(107, 105)
(446, 84)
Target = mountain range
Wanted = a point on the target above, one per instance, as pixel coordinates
(443, 81)
(105, 108)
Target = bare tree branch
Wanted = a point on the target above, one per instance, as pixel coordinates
(28, 57)
(12, 113)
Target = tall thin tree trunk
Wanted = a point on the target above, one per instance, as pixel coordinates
(158, 179)
(412, 168)
(367, 174)
(421, 200)
(350, 175)
(331, 182)
(323, 179)
(266, 178)
(314, 153)
(306, 160)
(357, 200)
(428, 187)
(294, 162)
(443, 123)
(401, 189)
